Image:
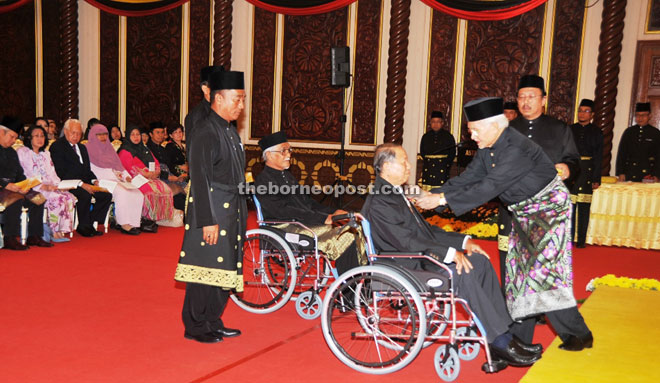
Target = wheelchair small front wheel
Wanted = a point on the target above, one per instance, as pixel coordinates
(447, 366)
(308, 305)
(467, 350)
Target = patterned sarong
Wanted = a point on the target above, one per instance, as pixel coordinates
(333, 241)
(539, 274)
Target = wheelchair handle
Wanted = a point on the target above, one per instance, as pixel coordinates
(342, 217)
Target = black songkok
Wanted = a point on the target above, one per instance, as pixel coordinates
(12, 124)
(226, 80)
(511, 105)
(272, 140)
(640, 107)
(436, 114)
(156, 125)
(206, 72)
(532, 81)
(483, 108)
(588, 103)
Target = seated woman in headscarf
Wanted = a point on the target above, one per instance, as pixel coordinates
(36, 163)
(106, 165)
(116, 137)
(136, 157)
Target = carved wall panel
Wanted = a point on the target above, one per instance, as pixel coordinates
(565, 62)
(365, 97)
(311, 107)
(263, 73)
(17, 77)
(109, 68)
(153, 67)
(198, 55)
(441, 65)
(499, 53)
(52, 78)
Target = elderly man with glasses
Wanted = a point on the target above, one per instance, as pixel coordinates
(283, 199)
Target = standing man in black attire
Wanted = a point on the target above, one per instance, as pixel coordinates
(212, 252)
(552, 135)
(11, 172)
(438, 149)
(298, 206)
(203, 108)
(589, 141)
(511, 110)
(639, 149)
(539, 276)
(72, 162)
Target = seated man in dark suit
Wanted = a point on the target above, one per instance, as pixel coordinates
(157, 136)
(272, 185)
(72, 162)
(397, 226)
(11, 172)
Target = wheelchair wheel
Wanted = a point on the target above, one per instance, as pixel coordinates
(268, 275)
(467, 350)
(308, 305)
(437, 321)
(447, 366)
(362, 328)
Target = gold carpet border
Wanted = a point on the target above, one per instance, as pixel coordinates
(208, 276)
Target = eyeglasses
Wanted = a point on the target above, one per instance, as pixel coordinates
(283, 151)
(529, 97)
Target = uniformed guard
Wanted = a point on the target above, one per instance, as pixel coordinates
(212, 252)
(438, 149)
(589, 141)
(639, 149)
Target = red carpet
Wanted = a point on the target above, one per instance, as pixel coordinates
(108, 310)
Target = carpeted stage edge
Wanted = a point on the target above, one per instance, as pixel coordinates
(107, 309)
(625, 344)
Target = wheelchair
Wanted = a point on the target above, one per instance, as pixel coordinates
(377, 318)
(279, 266)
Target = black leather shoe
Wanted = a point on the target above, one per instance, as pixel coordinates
(577, 343)
(12, 244)
(534, 348)
(226, 332)
(97, 233)
(132, 231)
(86, 231)
(514, 355)
(204, 338)
(497, 365)
(36, 241)
(580, 245)
(149, 226)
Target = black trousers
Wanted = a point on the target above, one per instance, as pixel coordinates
(348, 260)
(12, 219)
(481, 290)
(203, 306)
(566, 322)
(504, 230)
(580, 222)
(87, 217)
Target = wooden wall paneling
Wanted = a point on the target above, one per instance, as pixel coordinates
(18, 77)
(442, 61)
(198, 58)
(365, 78)
(565, 61)
(496, 55)
(263, 73)
(153, 67)
(311, 107)
(52, 76)
(109, 68)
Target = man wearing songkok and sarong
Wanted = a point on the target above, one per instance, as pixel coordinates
(282, 199)
(212, 251)
(539, 276)
(639, 149)
(438, 149)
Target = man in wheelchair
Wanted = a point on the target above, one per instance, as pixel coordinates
(397, 226)
(283, 201)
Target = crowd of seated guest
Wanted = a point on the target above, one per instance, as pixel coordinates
(105, 162)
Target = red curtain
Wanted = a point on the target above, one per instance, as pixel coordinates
(328, 6)
(498, 14)
(11, 5)
(136, 8)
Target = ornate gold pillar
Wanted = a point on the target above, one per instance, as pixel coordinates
(69, 63)
(222, 20)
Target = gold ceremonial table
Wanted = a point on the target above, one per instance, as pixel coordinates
(625, 214)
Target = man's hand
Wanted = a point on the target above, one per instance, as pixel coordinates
(88, 188)
(430, 201)
(472, 247)
(328, 220)
(563, 170)
(210, 234)
(622, 177)
(462, 263)
(595, 185)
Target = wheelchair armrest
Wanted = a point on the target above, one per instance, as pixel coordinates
(400, 253)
